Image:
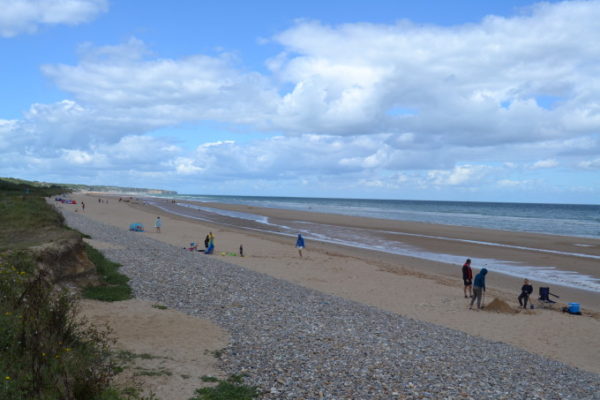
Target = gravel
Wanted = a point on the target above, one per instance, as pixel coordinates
(297, 343)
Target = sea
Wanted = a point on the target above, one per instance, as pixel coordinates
(575, 220)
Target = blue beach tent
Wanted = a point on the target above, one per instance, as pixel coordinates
(136, 227)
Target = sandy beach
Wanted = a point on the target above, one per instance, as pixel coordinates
(422, 290)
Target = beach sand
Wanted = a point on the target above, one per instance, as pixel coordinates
(411, 287)
(170, 350)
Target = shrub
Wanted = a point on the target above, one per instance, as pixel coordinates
(46, 351)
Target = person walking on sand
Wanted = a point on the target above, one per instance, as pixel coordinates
(300, 244)
(82, 206)
(157, 224)
(526, 291)
(467, 273)
(478, 288)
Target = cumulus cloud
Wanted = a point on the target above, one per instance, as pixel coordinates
(25, 16)
(124, 80)
(550, 163)
(387, 105)
(459, 175)
(477, 84)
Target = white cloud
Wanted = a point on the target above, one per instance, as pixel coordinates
(590, 164)
(459, 175)
(25, 16)
(476, 85)
(550, 163)
(77, 156)
(122, 81)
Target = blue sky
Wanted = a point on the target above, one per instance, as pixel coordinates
(462, 100)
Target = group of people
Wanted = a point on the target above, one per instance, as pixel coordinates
(475, 288)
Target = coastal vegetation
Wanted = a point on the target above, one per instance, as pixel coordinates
(46, 350)
(89, 188)
(114, 285)
(231, 388)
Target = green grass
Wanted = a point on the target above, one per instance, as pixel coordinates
(114, 286)
(27, 220)
(230, 389)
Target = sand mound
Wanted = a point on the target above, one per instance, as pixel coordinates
(500, 306)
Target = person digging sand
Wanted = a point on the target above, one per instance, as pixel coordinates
(478, 288)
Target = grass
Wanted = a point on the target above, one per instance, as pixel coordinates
(27, 220)
(230, 389)
(114, 286)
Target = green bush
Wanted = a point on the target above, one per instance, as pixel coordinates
(47, 352)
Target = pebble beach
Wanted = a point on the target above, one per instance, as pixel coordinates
(297, 343)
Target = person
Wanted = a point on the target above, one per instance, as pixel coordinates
(211, 244)
(467, 273)
(300, 244)
(526, 291)
(206, 241)
(241, 251)
(82, 206)
(478, 288)
(157, 224)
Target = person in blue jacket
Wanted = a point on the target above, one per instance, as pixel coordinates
(478, 288)
(300, 244)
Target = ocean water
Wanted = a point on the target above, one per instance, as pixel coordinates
(557, 219)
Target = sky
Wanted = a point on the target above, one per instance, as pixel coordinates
(429, 100)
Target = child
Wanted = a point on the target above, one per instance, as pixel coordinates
(526, 291)
(300, 244)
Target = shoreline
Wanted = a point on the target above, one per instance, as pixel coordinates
(531, 249)
(411, 287)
